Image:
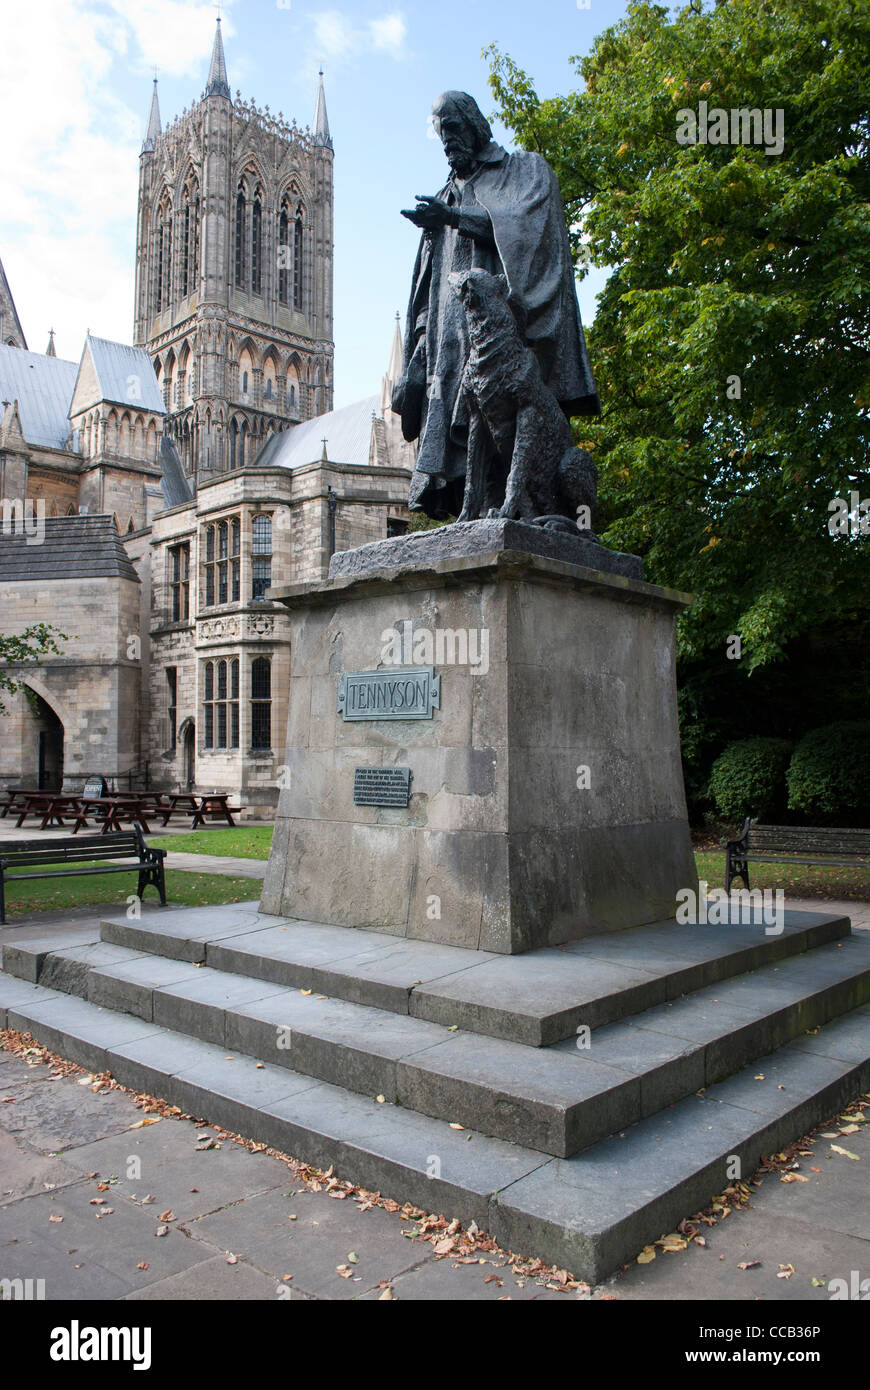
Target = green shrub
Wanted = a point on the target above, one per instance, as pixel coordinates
(748, 779)
(829, 775)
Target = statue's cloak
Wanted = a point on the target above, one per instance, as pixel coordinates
(521, 195)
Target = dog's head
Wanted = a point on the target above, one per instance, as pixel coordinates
(478, 291)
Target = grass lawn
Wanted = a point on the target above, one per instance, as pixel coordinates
(241, 842)
(193, 890)
(796, 880)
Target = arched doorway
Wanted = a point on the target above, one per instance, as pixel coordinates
(49, 746)
(189, 757)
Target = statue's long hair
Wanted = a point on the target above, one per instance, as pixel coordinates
(466, 107)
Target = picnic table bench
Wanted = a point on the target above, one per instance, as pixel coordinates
(112, 811)
(51, 806)
(33, 855)
(794, 844)
(197, 806)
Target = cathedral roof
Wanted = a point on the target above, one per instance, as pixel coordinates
(218, 84)
(74, 547)
(348, 434)
(176, 489)
(116, 373)
(43, 388)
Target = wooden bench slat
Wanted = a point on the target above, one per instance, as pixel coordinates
(825, 846)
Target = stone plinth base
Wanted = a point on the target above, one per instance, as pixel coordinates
(547, 798)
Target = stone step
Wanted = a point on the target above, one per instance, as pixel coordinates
(538, 998)
(589, 1213)
(558, 1100)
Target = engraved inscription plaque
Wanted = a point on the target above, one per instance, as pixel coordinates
(381, 786)
(411, 692)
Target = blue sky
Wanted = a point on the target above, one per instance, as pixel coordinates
(80, 73)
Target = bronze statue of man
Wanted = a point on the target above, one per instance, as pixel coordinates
(500, 213)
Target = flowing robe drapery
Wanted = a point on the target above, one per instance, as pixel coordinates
(512, 223)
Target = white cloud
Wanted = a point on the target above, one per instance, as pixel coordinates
(71, 163)
(388, 34)
(337, 37)
(334, 35)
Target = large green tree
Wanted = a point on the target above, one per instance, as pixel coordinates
(732, 340)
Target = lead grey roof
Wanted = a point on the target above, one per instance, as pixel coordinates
(176, 489)
(348, 434)
(74, 547)
(125, 375)
(43, 388)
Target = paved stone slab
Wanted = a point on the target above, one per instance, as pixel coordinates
(847, 1039)
(311, 1247)
(115, 1243)
(24, 1171)
(212, 1279)
(713, 1274)
(25, 1253)
(52, 1117)
(169, 1165)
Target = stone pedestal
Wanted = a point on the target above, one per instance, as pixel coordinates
(547, 797)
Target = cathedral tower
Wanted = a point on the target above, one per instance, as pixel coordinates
(234, 272)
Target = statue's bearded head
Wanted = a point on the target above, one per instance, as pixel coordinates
(462, 128)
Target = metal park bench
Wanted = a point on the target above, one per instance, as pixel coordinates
(827, 846)
(33, 855)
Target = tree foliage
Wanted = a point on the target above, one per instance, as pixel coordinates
(727, 265)
(25, 649)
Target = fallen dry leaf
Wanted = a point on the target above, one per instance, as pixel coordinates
(785, 1271)
(646, 1256)
(55, 1218)
(749, 1264)
(162, 1231)
(794, 1177)
(847, 1153)
(143, 1264)
(387, 1296)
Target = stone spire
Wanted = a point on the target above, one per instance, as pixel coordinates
(218, 85)
(49, 351)
(321, 120)
(153, 130)
(395, 368)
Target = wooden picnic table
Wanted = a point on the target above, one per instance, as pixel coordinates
(182, 803)
(198, 807)
(15, 797)
(214, 805)
(51, 806)
(112, 811)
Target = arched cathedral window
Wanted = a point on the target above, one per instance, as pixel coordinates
(257, 244)
(298, 253)
(163, 254)
(240, 238)
(189, 250)
(284, 255)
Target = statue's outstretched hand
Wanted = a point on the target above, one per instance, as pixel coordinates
(429, 214)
